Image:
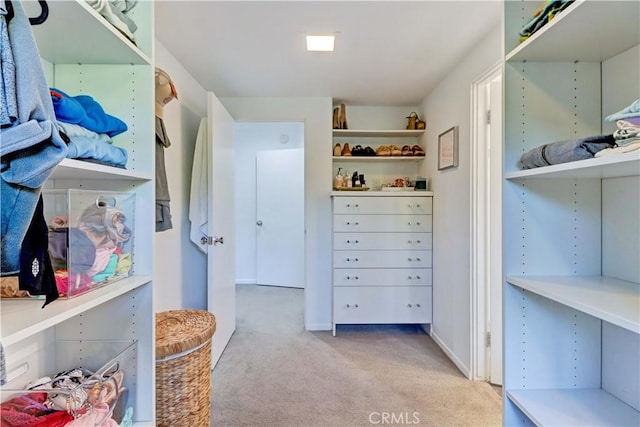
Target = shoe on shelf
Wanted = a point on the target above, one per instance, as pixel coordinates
(368, 151)
(395, 150)
(417, 150)
(383, 150)
(336, 118)
(342, 120)
(337, 151)
(357, 151)
(346, 151)
(407, 151)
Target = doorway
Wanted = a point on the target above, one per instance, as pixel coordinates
(264, 255)
(486, 228)
(280, 218)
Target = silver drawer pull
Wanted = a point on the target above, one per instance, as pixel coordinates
(417, 206)
(409, 305)
(348, 205)
(352, 259)
(409, 259)
(354, 306)
(349, 223)
(417, 259)
(357, 205)
(418, 277)
(410, 277)
(417, 223)
(349, 241)
(354, 277)
(418, 241)
(418, 305)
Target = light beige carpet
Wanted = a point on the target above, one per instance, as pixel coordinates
(273, 373)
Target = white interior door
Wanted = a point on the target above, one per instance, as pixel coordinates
(221, 254)
(280, 217)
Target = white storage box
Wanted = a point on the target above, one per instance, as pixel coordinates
(90, 238)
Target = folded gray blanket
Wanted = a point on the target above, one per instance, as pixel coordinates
(565, 151)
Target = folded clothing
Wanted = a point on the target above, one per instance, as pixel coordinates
(632, 110)
(545, 14)
(83, 110)
(565, 151)
(81, 147)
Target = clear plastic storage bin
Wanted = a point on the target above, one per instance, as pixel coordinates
(90, 238)
(90, 382)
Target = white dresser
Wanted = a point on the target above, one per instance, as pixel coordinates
(382, 247)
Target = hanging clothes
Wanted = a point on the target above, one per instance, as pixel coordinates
(198, 200)
(165, 93)
(30, 145)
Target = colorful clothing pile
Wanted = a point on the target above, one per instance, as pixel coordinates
(627, 136)
(89, 129)
(545, 14)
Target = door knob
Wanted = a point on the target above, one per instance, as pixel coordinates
(259, 222)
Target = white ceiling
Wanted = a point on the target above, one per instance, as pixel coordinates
(387, 52)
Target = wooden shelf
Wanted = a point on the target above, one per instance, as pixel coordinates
(618, 165)
(377, 133)
(617, 23)
(90, 40)
(612, 300)
(25, 317)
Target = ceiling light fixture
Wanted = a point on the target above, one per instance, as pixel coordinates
(320, 43)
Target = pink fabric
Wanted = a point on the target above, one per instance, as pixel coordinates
(21, 412)
(99, 416)
(103, 254)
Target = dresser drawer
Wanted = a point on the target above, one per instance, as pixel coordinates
(382, 205)
(392, 241)
(382, 277)
(382, 304)
(381, 259)
(382, 223)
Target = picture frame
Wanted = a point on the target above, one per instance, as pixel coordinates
(448, 148)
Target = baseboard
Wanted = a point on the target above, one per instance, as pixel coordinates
(464, 369)
(245, 281)
(318, 326)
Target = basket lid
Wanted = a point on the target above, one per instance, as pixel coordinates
(181, 330)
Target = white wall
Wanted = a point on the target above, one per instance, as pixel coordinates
(316, 113)
(250, 138)
(449, 104)
(180, 270)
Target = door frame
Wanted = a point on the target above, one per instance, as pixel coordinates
(486, 249)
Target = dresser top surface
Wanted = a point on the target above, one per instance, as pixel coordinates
(347, 193)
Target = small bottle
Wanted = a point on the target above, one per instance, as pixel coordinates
(337, 182)
(347, 179)
(356, 180)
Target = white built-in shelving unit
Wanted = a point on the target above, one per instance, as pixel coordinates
(83, 54)
(381, 169)
(571, 234)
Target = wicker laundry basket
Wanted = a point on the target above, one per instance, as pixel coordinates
(183, 368)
